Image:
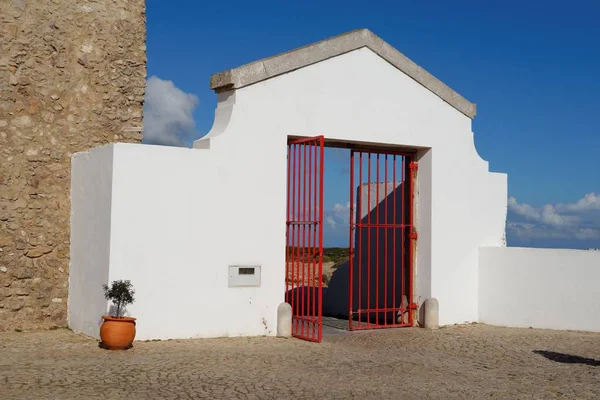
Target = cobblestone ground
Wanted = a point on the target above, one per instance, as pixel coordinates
(476, 361)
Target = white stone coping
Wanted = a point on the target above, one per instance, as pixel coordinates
(283, 63)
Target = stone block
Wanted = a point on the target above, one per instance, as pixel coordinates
(284, 320)
(431, 313)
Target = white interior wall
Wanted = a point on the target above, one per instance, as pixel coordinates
(91, 192)
(539, 288)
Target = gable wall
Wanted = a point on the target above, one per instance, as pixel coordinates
(358, 97)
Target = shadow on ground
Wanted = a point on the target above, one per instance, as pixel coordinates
(567, 358)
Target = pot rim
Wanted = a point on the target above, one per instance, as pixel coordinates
(120, 319)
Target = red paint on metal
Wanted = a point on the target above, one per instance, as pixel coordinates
(303, 259)
(304, 236)
(368, 240)
(313, 230)
(411, 183)
(320, 220)
(385, 248)
(377, 241)
(394, 233)
(402, 233)
(359, 236)
(350, 247)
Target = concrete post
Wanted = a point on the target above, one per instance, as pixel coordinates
(431, 313)
(284, 320)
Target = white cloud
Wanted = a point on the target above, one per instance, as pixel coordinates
(589, 202)
(341, 210)
(331, 222)
(338, 217)
(579, 220)
(168, 114)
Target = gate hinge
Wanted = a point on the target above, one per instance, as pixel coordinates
(413, 166)
(413, 236)
(413, 306)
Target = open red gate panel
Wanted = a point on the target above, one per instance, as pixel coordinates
(304, 236)
(381, 239)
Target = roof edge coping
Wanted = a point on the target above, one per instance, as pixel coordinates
(313, 53)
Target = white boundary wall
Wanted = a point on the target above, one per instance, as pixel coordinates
(180, 217)
(540, 288)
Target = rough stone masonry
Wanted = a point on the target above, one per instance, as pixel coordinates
(72, 77)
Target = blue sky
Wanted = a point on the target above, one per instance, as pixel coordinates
(532, 68)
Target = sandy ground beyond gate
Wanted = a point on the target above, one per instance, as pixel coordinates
(473, 361)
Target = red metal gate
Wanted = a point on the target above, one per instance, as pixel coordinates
(304, 248)
(381, 239)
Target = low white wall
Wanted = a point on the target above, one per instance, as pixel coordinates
(155, 215)
(539, 288)
(91, 192)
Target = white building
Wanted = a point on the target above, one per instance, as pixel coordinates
(179, 222)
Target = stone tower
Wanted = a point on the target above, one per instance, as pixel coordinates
(72, 76)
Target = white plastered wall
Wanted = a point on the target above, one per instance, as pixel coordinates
(360, 98)
(539, 288)
(180, 217)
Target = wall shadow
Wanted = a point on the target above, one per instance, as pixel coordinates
(567, 358)
(112, 310)
(379, 281)
(305, 300)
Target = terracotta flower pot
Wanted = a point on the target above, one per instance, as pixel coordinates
(117, 333)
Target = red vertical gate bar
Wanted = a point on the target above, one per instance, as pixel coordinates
(294, 233)
(309, 234)
(368, 240)
(394, 198)
(350, 246)
(315, 253)
(412, 166)
(303, 259)
(321, 212)
(385, 247)
(287, 233)
(402, 232)
(388, 289)
(359, 230)
(304, 236)
(377, 242)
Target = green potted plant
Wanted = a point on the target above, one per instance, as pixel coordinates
(118, 332)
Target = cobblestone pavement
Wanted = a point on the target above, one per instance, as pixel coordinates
(473, 361)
